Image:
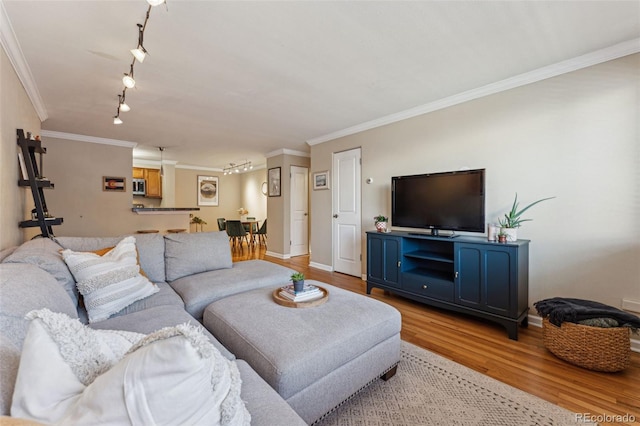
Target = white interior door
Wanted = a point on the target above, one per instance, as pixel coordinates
(299, 211)
(346, 213)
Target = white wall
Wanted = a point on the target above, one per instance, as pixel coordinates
(575, 137)
(235, 191)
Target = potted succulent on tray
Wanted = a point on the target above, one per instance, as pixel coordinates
(298, 281)
(381, 223)
(513, 219)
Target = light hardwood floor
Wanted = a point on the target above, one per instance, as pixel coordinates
(485, 347)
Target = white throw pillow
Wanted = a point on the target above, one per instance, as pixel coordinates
(60, 358)
(173, 376)
(111, 282)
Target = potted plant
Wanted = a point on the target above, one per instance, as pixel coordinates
(513, 219)
(243, 214)
(298, 281)
(502, 237)
(381, 223)
(198, 221)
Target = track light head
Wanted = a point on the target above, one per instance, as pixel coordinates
(155, 2)
(128, 81)
(122, 105)
(116, 120)
(139, 53)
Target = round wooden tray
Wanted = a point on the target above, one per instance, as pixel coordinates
(309, 304)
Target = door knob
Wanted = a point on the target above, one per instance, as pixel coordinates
(335, 216)
(306, 214)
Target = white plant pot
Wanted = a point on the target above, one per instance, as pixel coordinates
(512, 234)
(381, 226)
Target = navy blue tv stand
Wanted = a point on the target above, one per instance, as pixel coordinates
(467, 274)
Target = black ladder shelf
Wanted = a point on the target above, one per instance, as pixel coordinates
(41, 217)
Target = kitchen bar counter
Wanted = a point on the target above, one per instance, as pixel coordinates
(164, 210)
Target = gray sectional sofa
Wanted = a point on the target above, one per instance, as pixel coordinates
(190, 270)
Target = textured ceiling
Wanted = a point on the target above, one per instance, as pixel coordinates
(228, 81)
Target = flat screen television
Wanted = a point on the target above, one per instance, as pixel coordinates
(439, 201)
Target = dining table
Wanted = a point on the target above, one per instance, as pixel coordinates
(251, 224)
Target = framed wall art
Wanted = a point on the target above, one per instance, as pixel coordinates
(273, 179)
(113, 184)
(321, 180)
(208, 190)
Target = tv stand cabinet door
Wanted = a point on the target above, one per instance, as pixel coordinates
(487, 278)
(383, 259)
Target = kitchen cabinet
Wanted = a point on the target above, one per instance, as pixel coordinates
(153, 181)
(138, 173)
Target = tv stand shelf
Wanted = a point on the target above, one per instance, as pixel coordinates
(467, 274)
(427, 255)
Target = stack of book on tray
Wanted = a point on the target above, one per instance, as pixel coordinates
(309, 292)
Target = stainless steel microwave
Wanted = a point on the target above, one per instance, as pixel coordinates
(139, 187)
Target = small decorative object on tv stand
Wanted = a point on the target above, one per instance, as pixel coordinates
(512, 220)
(381, 223)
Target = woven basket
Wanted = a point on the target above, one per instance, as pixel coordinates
(594, 348)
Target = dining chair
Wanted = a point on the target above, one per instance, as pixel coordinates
(236, 232)
(221, 224)
(251, 228)
(262, 232)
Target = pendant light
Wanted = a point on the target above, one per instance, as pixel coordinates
(161, 158)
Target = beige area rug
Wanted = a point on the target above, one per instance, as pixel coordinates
(431, 390)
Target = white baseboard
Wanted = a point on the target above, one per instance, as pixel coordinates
(277, 255)
(321, 266)
(631, 305)
(536, 321)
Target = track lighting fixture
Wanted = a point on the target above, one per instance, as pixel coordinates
(236, 168)
(123, 105)
(128, 80)
(139, 54)
(161, 158)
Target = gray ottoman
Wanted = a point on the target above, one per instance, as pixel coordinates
(317, 357)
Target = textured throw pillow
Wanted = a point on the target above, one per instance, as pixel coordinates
(103, 251)
(60, 358)
(111, 282)
(172, 376)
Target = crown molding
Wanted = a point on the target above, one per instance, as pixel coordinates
(285, 151)
(84, 138)
(590, 59)
(10, 44)
(206, 169)
(139, 162)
